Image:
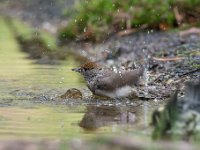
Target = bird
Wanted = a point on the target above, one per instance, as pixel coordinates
(106, 82)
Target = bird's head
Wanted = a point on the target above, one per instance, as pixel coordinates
(88, 68)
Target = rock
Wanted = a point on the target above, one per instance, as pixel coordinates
(72, 93)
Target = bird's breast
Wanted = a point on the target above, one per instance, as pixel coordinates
(118, 92)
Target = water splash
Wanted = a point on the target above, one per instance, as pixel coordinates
(146, 77)
(114, 68)
(146, 74)
(85, 29)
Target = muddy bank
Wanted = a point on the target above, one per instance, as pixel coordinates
(169, 58)
(138, 46)
(40, 45)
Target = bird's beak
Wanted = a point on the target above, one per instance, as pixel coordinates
(76, 69)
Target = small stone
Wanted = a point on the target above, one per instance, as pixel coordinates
(169, 81)
(72, 93)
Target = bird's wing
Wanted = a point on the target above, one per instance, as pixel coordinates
(115, 80)
(108, 83)
(130, 77)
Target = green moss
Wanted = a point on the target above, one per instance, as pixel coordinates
(37, 43)
(49, 40)
(22, 29)
(165, 120)
(195, 65)
(96, 19)
(28, 33)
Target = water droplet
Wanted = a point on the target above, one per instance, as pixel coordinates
(85, 29)
(115, 69)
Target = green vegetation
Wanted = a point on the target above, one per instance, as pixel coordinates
(22, 29)
(37, 43)
(27, 33)
(176, 122)
(165, 120)
(96, 19)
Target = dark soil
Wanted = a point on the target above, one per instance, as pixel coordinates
(151, 50)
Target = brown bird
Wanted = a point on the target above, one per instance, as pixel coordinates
(104, 81)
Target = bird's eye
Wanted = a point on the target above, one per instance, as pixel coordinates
(85, 69)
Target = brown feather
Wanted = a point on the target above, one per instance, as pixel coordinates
(117, 80)
(90, 65)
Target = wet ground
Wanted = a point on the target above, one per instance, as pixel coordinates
(169, 58)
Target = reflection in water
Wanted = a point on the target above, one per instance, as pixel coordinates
(99, 116)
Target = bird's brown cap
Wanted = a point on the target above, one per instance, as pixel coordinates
(90, 65)
(87, 66)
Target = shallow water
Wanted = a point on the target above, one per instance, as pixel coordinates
(29, 107)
